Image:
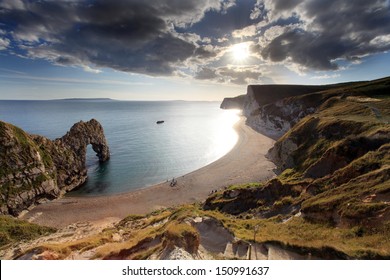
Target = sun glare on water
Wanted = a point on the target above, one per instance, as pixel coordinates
(240, 52)
(225, 136)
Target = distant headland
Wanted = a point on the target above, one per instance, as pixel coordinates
(84, 99)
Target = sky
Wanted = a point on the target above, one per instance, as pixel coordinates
(186, 49)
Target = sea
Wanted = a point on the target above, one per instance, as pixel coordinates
(143, 153)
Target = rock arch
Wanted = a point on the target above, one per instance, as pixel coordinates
(83, 134)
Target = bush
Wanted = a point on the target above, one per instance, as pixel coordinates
(14, 230)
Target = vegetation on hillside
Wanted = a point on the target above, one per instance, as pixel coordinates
(13, 230)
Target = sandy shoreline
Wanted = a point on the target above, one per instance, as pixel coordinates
(246, 162)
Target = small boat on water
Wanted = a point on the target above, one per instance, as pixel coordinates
(159, 122)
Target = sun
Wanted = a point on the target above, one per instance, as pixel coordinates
(240, 52)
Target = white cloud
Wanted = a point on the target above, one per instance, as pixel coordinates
(380, 41)
(248, 31)
(4, 43)
(280, 9)
(326, 76)
(227, 4)
(91, 70)
(273, 32)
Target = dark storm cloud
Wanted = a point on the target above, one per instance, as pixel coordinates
(281, 5)
(329, 30)
(304, 49)
(240, 76)
(204, 53)
(206, 73)
(133, 36)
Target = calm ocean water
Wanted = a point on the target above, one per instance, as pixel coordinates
(142, 153)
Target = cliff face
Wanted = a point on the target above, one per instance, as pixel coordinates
(233, 103)
(274, 109)
(34, 168)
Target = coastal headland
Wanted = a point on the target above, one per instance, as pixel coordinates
(246, 162)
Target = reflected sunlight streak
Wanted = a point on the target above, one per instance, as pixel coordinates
(226, 136)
